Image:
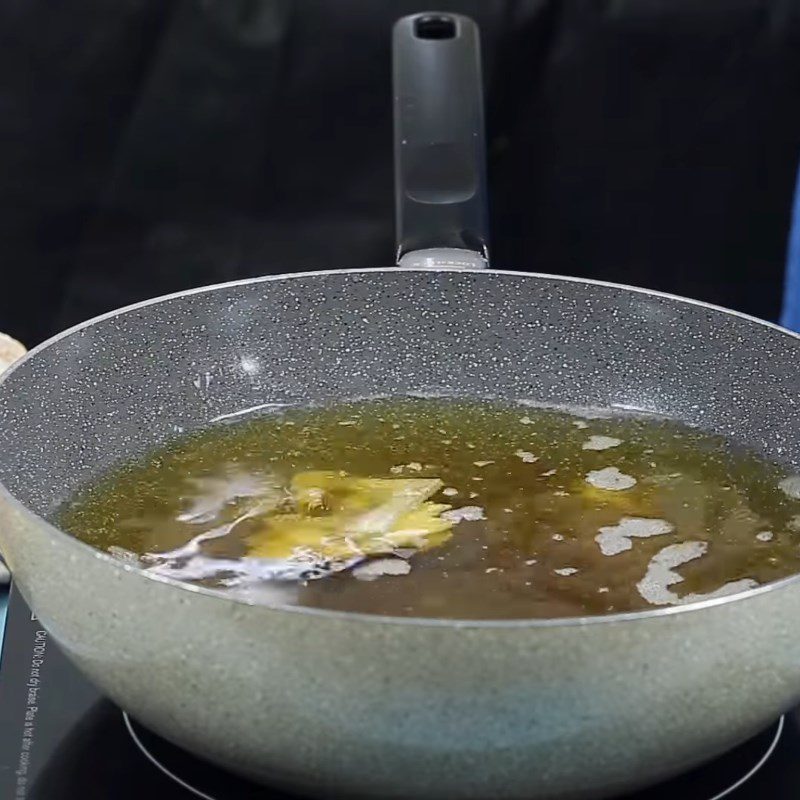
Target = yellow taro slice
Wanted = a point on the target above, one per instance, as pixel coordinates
(342, 518)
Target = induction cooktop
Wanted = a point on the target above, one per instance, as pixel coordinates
(61, 740)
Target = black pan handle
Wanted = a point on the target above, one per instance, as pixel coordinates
(439, 149)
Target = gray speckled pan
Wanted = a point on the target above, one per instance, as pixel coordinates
(345, 705)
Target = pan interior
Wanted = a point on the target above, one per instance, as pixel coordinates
(113, 389)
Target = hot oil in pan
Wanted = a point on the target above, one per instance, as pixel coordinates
(444, 508)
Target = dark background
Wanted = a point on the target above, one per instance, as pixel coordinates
(152, 145)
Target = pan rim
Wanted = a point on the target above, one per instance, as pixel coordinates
(354, 616)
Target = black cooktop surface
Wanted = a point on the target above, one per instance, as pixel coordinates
(60, 740)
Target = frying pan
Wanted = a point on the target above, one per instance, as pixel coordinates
(342, 704)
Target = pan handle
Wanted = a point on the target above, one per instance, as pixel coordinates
(439, 150)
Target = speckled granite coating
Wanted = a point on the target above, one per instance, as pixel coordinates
(356, 706)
